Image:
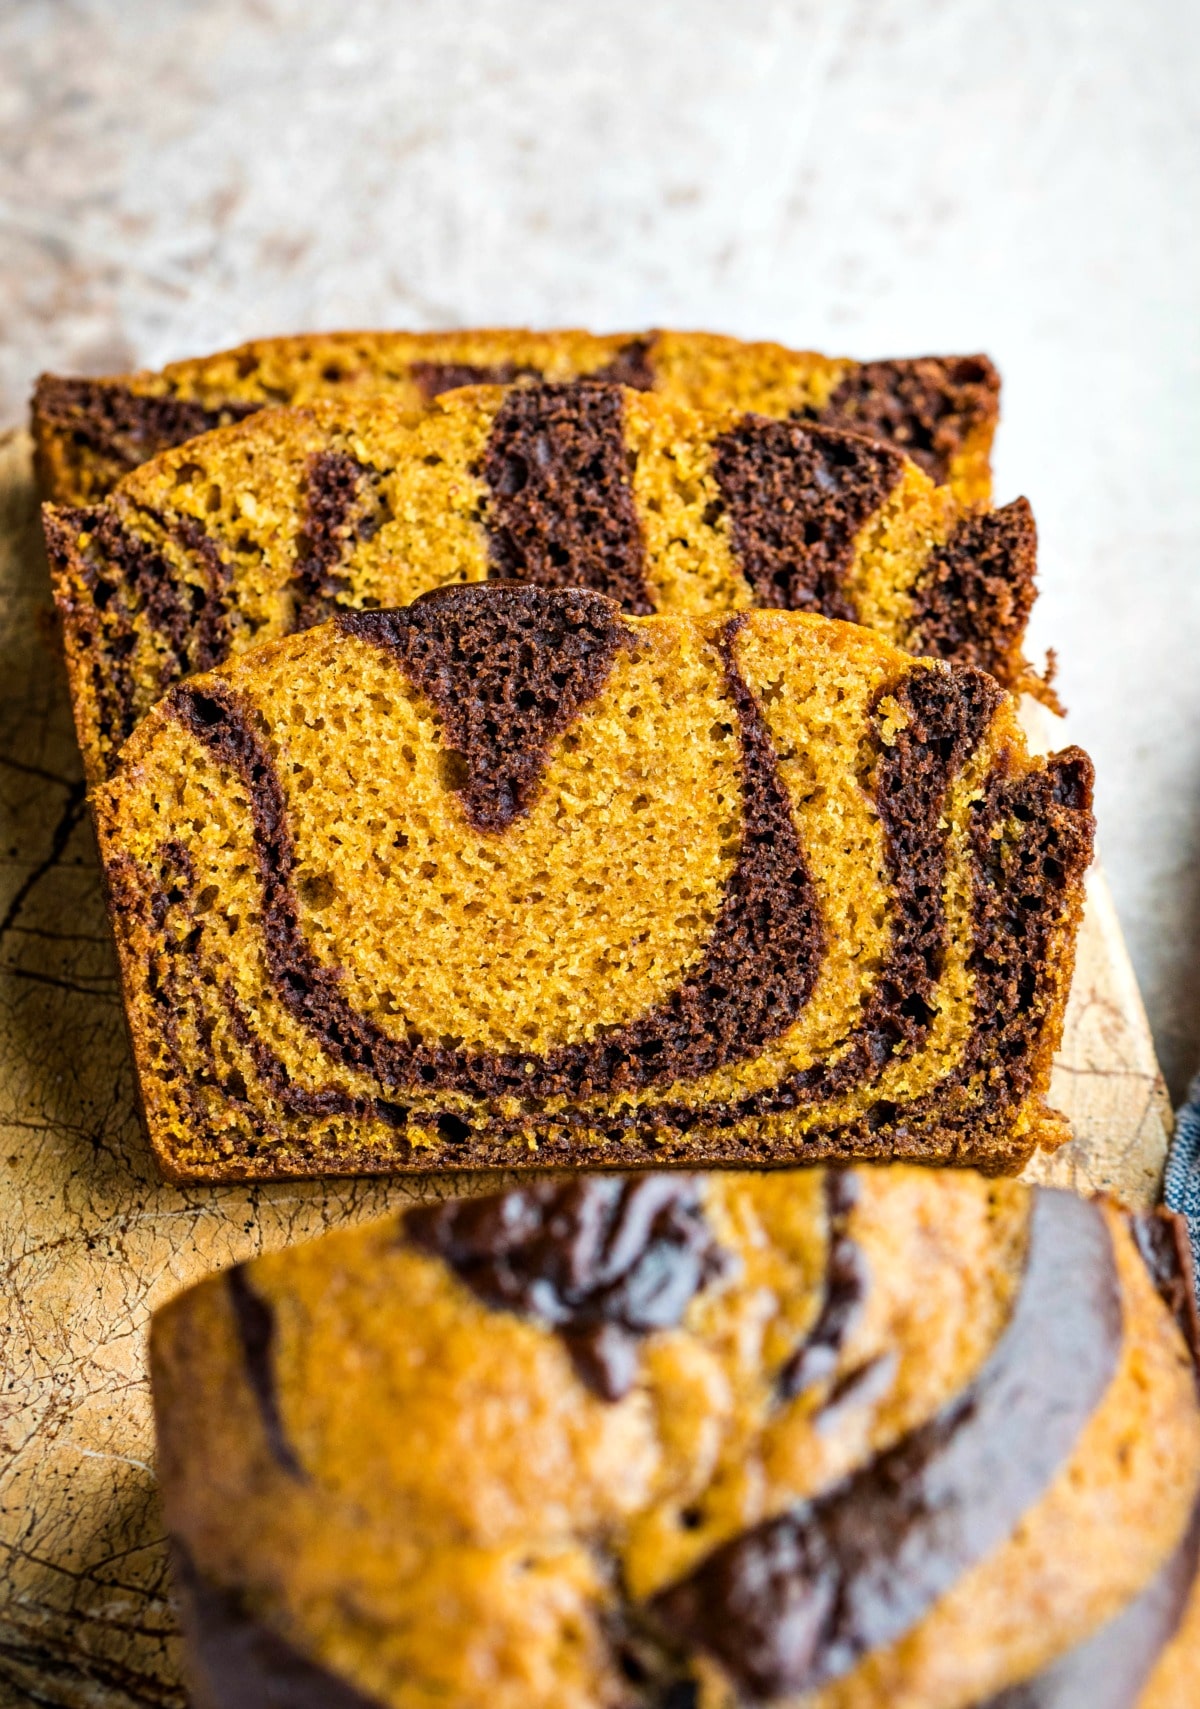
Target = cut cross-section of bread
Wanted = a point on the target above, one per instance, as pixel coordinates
(506, 877)
(849, 1439)
(940, 410)
(258, 530)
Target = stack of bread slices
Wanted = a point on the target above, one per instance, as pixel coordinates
(600, 757)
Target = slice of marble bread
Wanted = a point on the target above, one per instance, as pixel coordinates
(940, 410)
(261, 529)
(823, 1438)
(506, 877)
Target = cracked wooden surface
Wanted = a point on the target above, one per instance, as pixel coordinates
(91, 1240)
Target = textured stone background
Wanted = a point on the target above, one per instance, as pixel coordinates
(870, 176)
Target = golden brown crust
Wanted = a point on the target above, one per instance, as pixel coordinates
(79, 639)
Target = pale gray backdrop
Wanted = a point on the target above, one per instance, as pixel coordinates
(867, 176)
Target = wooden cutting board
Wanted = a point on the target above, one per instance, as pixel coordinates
(91, 1240)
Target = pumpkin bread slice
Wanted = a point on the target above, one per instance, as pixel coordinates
(261, 529)
(846, 1439)
(506, 877)
(939, 410)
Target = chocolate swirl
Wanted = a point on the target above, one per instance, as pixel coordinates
(603, 1261)
(765, 948)
(798, 1600)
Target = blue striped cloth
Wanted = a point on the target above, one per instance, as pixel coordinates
(1181, 1188)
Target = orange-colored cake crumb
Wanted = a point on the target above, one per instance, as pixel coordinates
(868, 1439)
(506, 877)
(255, 531)
(939, 410)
